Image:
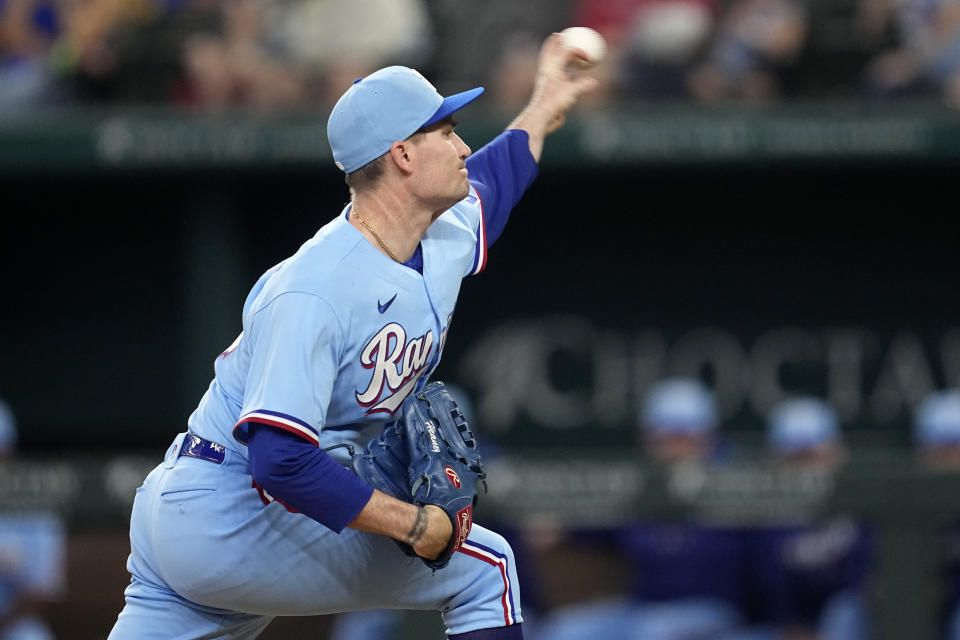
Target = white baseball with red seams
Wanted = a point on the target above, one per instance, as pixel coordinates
(587, 40)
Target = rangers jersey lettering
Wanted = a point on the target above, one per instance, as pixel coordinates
(397, 365)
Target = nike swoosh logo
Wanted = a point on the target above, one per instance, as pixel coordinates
(384, 306)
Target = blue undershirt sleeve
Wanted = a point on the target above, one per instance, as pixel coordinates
(501, 171)
(303, 476)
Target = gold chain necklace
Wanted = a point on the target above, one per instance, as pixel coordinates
(374, 234)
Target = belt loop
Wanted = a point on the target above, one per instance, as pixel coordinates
(173, 452)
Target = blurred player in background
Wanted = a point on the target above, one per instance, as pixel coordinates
(936, 435)
(687, 581)
(32, 558)
(248, 516)
(813, 575)
(679, 422)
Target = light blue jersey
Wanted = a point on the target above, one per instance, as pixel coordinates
(338, 334)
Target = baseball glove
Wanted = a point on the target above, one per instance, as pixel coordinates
(428, 456)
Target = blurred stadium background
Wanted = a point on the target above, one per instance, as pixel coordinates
(759, 197)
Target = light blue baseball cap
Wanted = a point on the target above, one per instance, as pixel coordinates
(937, 419)
(679, 406)
(388, 105)
(800, 424)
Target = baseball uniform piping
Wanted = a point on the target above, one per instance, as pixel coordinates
(480, 261)
(491, 557)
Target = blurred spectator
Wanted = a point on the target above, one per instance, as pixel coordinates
(653, 44)
(837, 48)
(936, 434)
(494, 44)
(687, 581)
(265, 55)
(32, 547)
(814, 575)
(227, 63)
(288, 54)
(96, 50)
(333, 42)
(96, 53)
(756, 45)
(28, 29)
(925, 61)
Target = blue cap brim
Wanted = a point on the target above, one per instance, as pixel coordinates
(453, 103)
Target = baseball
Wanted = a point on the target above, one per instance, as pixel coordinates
(587, 40)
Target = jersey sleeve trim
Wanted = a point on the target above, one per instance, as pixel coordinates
(480, 255)
(279, 420)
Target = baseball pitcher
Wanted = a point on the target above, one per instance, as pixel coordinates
(321, 472)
